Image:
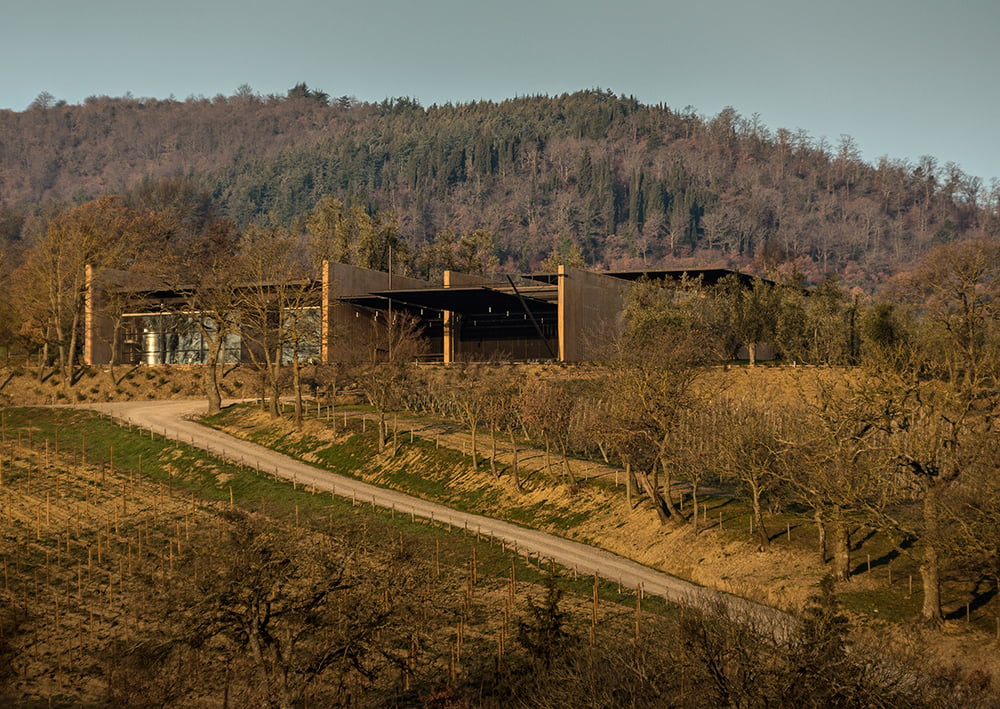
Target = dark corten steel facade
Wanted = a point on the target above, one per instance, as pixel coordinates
(567, 316)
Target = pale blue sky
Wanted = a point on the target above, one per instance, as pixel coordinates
(904, 78)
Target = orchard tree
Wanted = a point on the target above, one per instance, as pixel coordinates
(842, 462)
(655, 363)
(643, 419)
(215, 311)
(52, 283)
(467, 401)
(975, 509)
(504, 413)
(546, 408)
(392, 342)
(749, 315)
(934, 433)
(297, 607)
(751, 446)
(195, 255)
(940, 395)
(274, 292)
(485, 394)
(691, 453)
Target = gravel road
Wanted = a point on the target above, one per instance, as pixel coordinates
(173, 420)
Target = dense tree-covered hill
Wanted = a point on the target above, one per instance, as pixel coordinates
(589, 175)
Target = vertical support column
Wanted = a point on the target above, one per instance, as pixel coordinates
(452, 321)
(450, 327)
(88, 316)
(97, 328)
(325, 324)
(565, 321)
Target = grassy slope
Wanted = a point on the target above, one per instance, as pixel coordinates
(596, 513)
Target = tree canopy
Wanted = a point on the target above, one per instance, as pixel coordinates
(617, 182)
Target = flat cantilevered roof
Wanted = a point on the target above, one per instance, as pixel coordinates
(468, 300)
(708, 276)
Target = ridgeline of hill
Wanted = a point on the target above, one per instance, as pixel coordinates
(590, 176)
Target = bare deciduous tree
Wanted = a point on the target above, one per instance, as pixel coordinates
(546, 409)
(53, 280)
(392, 342)
(275, 293)
(296, 606)
(751, 446)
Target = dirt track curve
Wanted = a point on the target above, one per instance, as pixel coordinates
(173, 420)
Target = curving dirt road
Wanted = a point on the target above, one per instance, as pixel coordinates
(172, 419)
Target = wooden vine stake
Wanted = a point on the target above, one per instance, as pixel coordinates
(593, 615)
(638, 611)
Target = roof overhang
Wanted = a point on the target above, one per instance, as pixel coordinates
(474, 300)
(707, 276)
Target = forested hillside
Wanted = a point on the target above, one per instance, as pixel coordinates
(587, 176)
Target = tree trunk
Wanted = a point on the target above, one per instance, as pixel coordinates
(548, 455)
(261, 655)
(212, 392)
(758, 514)
(654, 495)
(274, 383)
(566, 465)
(628, 485)
(668, 483)
(283, 655)
(43, 362)
(930, 566)
(493, 450)
(821, 532)
(381, 429)
(61, 351)
(297, 385)
(69, 376)
(113, 359)
(514, 470)
(475, 459)
(331, 413)
(841, 547)
(752, 352)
